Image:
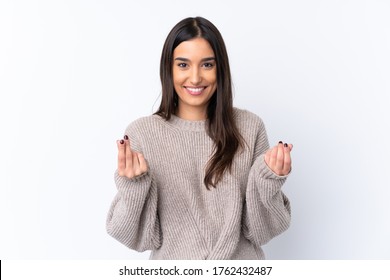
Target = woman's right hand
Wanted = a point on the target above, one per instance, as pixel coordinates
(130, 163)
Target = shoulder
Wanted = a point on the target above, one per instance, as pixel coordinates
(144, 130)
(146, 123)
(246, 120)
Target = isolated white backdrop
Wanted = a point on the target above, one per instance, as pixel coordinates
(74, 73)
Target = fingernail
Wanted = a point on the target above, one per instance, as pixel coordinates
(126, 137)
(280, 142)
(285, 144)
(122, 141)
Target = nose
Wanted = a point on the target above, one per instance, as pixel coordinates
(196, 77)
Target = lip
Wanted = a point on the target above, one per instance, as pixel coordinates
(195, 90)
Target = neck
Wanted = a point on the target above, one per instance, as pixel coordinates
(192, 114)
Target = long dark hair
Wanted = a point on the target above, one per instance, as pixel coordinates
(221, 125)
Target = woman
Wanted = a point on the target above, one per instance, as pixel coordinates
(197, 179)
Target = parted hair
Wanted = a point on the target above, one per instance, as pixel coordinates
(221, 126)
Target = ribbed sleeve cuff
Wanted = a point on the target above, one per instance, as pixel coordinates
(136, 184)
(266, 181)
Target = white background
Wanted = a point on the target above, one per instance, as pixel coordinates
(73, 74)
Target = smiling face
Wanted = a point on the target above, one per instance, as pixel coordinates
(194, 78)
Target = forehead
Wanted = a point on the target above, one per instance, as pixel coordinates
(195, 48)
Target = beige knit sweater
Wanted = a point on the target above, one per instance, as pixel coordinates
(169, 211)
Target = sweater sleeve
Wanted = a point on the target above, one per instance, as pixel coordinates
(267, 211)
(133, 217)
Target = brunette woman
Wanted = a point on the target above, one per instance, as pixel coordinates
(197, 179)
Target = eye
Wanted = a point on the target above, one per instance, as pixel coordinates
(182, 65)
(208, 65)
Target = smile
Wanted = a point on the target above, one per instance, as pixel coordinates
(195, 90)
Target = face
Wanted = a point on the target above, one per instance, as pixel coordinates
(194, 77)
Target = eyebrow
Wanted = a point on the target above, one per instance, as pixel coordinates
(203, 59)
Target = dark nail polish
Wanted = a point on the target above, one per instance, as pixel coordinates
(121, 141)
(280, 142)
(126, 137)
(285, 144)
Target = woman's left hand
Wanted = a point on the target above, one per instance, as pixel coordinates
(278, 158)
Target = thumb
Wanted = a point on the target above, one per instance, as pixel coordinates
(142, 162)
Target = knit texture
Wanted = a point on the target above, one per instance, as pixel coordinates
(168, 209)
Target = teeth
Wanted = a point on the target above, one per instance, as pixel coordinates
(196, 89)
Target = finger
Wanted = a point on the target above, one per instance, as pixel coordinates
(142, 163)
(135, 163)
(129, 155)
(287, 159)
(279, 159)
(290, 146)
(272, 159)
(121, 157)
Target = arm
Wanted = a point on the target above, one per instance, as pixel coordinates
(267, 211)
(133, 217)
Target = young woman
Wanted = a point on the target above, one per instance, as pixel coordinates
(197, 179)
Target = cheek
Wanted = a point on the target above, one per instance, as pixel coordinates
(212, 77)
(178, 78)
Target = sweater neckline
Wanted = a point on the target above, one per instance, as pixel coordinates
(188, 125)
